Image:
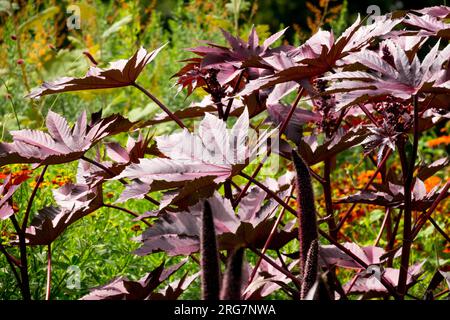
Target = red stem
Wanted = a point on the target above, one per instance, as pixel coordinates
(107, 205)
(108, 171)
(269, 192)
(49, 272)
(269, 148)
(230, 102)
(267, 243)
(364, 265)
(379, 168)
(408, 172)
(30, 201)
(161, 105)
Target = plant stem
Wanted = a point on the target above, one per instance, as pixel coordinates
(112, 174)
(25, 282)
(364, 265)
(276, 266)
(13, 106)
(235, 89)
(423, 218)
(270, 192)
(442, 232)
(107, 205)
(19, 50)
(408, 173)
(383, 226)
(161, 105)
(267, 243)
(391, 241)
(328, 199)
(12, 263)
(269, 148)
(49, 271)
(30, 201)
(379, 168)
(368, 114)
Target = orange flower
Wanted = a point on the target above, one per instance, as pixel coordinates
(439, 140)
(364, 177)
(431, 182)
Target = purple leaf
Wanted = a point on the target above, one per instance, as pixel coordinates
(120, 74)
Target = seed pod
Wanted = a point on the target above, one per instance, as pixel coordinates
(320, 290)
(307, 219)
(310, 270)
(232, 281)
(209, 264)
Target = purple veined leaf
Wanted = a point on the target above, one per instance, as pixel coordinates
(73, 197)
(429, 25)
(177, 233)
(426, 171)
(62, 144)
(51, 222)
(330, 255)
(123, 289)
(118, 154)
(300, 117)
(173, 233)
(135, 190)
(174, 289)
(121, 73)
(372, 287)
(74, 201)
(267, 281)
(7, 191)
(322, 52)
(313, 152)
(227, 63)
(400, 78)
(436, 11)
(214, 151)
(393, 195)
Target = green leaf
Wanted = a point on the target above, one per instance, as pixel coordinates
(116, 26)
(38, 18)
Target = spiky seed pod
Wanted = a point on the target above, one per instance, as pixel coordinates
(320, 290)
(307, 218)
(232, 281)
(209, 264)
(310, 270)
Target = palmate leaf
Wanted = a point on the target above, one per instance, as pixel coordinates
(367, 281)
(177, 233)
(61, 144)
(142, 289)
(174, 289)
(312, 151)
(321, 53)
(374, 77)
(7, 190)
(392, 195)
(430, 21)
(371, 287)
(195, 163)
(268, 280)
(121, 73)
(330, 255)
(74, 201)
